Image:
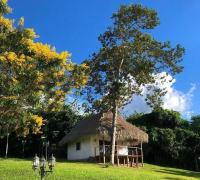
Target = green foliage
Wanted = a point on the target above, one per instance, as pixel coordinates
(129, 57)
(32, 75)
(172, 140)
(59, 123)
(56, 125)
(161, 119)
(4, 8)
(195, 123)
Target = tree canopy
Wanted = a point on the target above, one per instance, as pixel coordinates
(128, 58)
(32, 75)
(162, 118)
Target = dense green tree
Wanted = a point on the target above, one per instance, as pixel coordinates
(56, 125)
(32, 76)
(161, 118)
(162, 141)
(195, 123)
(59, 123)
(128, 58)
(172, 140)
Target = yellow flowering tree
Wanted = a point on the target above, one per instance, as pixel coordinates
(32, 75)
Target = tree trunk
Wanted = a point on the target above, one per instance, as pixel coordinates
(46, 150)
(7, 136)
(115, 111)
(23, 146)
(196, 163)
(114, 122)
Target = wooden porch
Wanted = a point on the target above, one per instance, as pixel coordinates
(132, 158)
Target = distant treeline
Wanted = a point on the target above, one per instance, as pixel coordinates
(172, 140)
(57, 124)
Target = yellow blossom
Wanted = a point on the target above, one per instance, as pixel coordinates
(22, 56)
(60, 73)
(39, 93)
(2, 58)
(44, 51)
(11, 56)
(69, 67)
(5, 22)
(10, 97)
(64, 55)
(31, 33)
(37, 120)
(84, 80)
(4, 1)
(85, 66)
(58, 83)
(28, 58)
(59, 92)
(40, 77)
(14, 80)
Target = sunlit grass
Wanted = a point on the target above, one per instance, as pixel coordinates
(12, 169)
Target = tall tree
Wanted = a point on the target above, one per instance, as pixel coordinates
(129, 57)
(162, 118)
(195, 123)
(32, 75)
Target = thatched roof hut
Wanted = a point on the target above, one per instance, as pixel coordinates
(101, 124)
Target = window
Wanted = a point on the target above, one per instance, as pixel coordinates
(78, 146)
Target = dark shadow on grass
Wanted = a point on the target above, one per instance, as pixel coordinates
(172, 178)
(74, 162)
(59, 160)
(16, 159)
(179, 172)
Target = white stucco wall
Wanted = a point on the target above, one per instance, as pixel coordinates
(87, 146)
(94, 146)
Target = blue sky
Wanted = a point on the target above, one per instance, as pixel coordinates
(74, 25)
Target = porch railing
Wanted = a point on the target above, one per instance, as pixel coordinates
(133, 154)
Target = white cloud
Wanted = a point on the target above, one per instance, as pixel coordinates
(174, 99)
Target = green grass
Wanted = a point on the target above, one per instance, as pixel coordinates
(13, 169)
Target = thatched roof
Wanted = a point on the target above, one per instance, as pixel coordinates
(101, 124)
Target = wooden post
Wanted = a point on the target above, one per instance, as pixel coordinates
(142, 154)
(124, 160)
(117, 160)
(95, 155)
(104, 156)
(127, 161)
(131, 162)
(117, 156)
(99, 155)
(136, 157)
(132, 159)
(7, 136)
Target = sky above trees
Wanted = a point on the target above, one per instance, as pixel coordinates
(75, 26)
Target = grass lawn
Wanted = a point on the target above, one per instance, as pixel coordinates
(21, 169)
